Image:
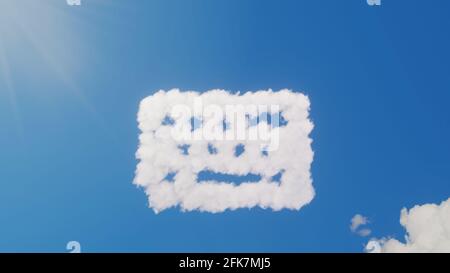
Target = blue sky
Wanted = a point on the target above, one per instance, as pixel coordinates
(71, 79)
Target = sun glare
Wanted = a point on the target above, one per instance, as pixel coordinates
(39, 30)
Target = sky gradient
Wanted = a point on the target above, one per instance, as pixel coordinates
(71, 79)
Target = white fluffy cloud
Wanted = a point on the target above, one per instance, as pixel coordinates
(356, 222)
(427, 230)
(160, 154)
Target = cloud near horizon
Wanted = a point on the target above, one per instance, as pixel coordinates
(427, 230)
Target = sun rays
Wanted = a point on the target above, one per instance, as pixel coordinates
(46, 32)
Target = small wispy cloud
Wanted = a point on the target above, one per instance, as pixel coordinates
(357, 222)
